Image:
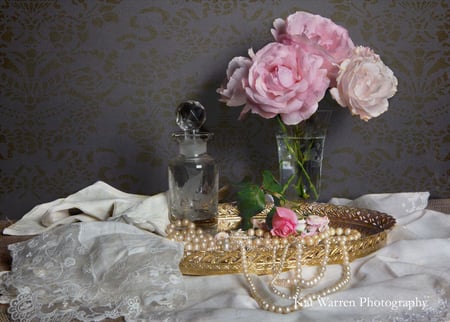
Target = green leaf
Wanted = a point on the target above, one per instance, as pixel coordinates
(273, 187)
(250, 201)
(270, 183)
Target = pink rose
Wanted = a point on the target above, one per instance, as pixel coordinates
(315, 224)
(364, 84)
(318, 222)
(284, 222)
(321, 35)
(233, 93)
(285, 80)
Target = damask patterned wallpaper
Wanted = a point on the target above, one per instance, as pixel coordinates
(89, 89)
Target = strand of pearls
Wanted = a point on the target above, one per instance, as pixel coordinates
(298, 302)
(195, 239)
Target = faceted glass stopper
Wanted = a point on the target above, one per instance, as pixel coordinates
(191, 115)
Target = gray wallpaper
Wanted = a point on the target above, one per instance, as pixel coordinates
(89, 89)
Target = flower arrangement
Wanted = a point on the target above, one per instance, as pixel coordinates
(290, 76)
(287, 78)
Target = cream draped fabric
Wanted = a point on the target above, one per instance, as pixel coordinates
(93, 270)
(97, 202)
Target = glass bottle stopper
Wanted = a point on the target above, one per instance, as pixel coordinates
(191, 116)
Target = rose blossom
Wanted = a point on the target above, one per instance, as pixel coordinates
(285, 80)
(233, 93)
(284, 222)
(321, 35)
(317, 221)
(315, 224)
(364, 84)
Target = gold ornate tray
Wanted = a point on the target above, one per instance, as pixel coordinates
(372, 225)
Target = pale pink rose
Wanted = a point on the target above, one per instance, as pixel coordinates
(233, 93)
(310, 231)
(364, 84)
(284, 222)
(315, 224)
(319, 222)
(285, 80)
(321, 35)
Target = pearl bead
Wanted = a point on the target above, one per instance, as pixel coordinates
(309, 241)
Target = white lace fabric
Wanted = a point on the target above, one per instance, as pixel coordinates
(93, 271)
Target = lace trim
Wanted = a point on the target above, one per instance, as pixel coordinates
(122, 272)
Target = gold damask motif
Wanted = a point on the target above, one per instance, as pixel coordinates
(89, 90)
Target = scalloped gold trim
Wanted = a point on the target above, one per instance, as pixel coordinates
(372, 225)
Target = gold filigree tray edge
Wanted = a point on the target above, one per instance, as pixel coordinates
(373, 225)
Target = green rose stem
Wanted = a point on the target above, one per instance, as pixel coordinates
(300, 159)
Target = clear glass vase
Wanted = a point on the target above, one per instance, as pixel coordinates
(300, 155)
(193, 181)
(300, 160)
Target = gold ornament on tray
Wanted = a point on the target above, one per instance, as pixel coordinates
(364, 231)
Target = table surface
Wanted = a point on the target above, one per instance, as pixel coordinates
(441, 205)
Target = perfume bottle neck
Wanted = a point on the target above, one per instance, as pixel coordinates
(193, 147)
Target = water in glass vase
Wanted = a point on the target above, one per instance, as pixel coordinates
(300, 160)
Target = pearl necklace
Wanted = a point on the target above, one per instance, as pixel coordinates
(195, 239)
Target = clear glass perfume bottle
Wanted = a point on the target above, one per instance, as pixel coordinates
(193, 174)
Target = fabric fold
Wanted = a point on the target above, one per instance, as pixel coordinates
(97, 202)
(406, 280)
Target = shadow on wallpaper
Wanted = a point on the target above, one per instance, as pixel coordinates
(89, 90)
